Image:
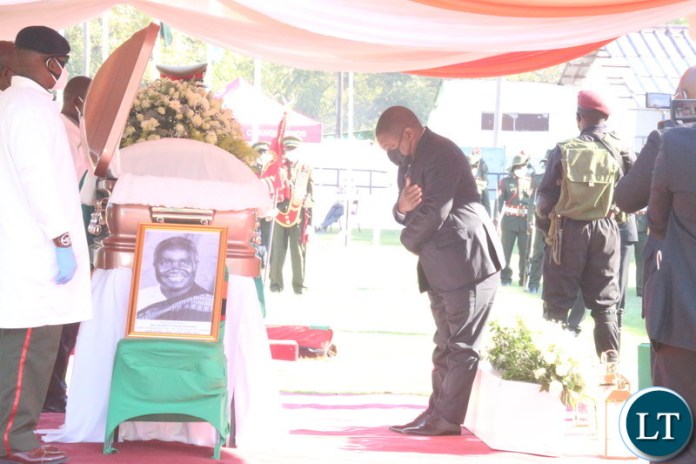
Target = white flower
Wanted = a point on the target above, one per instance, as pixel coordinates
(193, 112)
(210, 137)
(563, 369)
(149, 125)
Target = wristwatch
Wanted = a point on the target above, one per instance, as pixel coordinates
(63, 241)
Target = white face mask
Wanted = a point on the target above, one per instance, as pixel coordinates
(520, 172)
(62, 80)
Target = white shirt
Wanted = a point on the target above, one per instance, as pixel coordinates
(79, 156)
(39, 202)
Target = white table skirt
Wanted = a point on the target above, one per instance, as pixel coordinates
(251, 375)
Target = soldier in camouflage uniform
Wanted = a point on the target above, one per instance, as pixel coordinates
(479, 169)
(514, 202)
(537, 253)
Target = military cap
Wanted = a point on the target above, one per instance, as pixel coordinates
(475, 156)
(42, 39)
(291, 142)
(182, 73)
(520, 160)
(261, 146)
(589, 100)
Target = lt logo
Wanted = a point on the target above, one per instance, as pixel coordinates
(656, 424)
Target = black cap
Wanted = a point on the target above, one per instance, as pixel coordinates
(42, 39)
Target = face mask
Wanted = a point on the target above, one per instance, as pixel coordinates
(62, 80)
(519, 172)
(397, 158)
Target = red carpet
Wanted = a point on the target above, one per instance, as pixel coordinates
(343, 429)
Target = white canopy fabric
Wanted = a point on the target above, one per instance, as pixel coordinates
(384, 35)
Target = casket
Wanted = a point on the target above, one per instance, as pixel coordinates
(168, 180)
(183, 181)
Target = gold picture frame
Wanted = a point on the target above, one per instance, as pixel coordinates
(178, 282)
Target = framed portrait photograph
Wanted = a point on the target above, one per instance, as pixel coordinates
(178, 282)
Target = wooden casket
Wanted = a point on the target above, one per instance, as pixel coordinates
(160, 181)
(187, 182)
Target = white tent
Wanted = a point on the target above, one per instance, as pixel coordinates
(448, 38)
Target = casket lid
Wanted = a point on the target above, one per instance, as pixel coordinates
(111, 95)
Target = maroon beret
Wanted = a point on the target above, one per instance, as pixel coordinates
(590, 100)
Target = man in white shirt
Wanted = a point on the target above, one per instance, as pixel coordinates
(46, 282)
(73, 100)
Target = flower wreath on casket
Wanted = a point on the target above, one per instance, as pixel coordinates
(185, 109)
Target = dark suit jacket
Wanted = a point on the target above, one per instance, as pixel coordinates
(671, 316)
(633, 189)
(450, 230)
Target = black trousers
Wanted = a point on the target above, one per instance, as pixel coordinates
(28, 356)
(460, 319)
(590, 262)
(536, 259)
(673, 368)
(57, 395)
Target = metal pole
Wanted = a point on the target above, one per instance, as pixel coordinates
(497, 116)
(256, 129)
(86, 48)
(339, 105)
(105, 37)
(351, 128)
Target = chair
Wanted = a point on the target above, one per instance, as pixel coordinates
(169, 380)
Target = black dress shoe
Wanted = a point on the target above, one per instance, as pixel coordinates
(60, 408)
(41, 455)
(418, 420)
(433, 426)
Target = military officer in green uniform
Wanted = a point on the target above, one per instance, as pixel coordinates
(292, 220)
(514, 203)
(479, 169)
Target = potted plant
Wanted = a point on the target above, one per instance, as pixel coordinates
(530, 376)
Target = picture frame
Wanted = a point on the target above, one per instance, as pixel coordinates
(178, 282)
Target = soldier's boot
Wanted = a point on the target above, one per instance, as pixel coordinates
(606, 332)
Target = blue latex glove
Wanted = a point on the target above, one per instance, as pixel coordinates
(66, 265)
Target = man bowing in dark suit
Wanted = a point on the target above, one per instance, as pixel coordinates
(459, 258)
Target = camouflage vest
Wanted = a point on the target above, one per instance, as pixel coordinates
(590, 171)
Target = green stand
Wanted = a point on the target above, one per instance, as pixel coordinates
(169, 380)
(644, 379)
